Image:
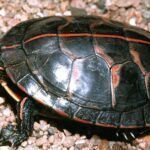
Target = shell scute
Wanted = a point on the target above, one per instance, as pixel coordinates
(71, 63)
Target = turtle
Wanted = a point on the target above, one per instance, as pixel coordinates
(84, 68)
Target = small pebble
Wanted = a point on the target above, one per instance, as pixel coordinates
(72, 148)
(126, 3)
(51, 131)
(2, 100)
(41, 141)
(51, 139)
(13, 22)
(85, 148)
(5, 148)
(33, 2)
(43, 125)
(104, 145)
(95, 140)
(116, 146)
(24, 144)
(67, 133)
(80, 143)
(31, 147)
(146, 3)
(69, 141)
(6, 112)
(2, 12)
(31, 140)
(46, 135)
(36, 126)
(41, 133)
(78, 4)
(45, 146)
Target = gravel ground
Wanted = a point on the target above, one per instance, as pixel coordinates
(134, 12)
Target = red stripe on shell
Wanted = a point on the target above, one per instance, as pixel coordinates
(9, 46)
(89, 35)
(82, 121)
(122, 37)
(62, 113)
(131, 126)
(79, 34)
(106, 125)
(121, 126)
(40, 36)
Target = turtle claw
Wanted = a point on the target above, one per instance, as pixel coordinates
(126, 135)
(6, 134)
(9, 136)
(17, 139)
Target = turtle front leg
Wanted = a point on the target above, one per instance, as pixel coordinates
(24, 125)
(12, 134)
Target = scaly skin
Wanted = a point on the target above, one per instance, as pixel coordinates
(12, 134)
(16, 135)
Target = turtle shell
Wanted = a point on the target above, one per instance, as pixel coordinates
(85, 68)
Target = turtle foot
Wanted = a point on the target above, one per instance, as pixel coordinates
(8, 135)
(15, 135)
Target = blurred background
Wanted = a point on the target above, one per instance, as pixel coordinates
(12, 12)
